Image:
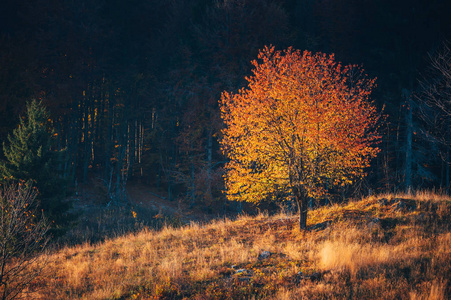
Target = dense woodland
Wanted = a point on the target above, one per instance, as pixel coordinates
(132, 87)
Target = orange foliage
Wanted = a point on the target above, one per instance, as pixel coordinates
(303, 120)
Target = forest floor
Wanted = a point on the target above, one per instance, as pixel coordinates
(380, 247)
(145, 207)
(142, 195)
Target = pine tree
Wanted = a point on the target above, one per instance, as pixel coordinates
(30, 157)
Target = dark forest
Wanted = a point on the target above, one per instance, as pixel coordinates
(137, 138)
(132, 87)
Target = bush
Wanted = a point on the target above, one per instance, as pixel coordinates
(22, 237)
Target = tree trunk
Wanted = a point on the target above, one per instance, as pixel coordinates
(193, 184)
(409, 156)
(209, 164)
(447, 168)
(86, 134)
(302, 201)
(108, 141)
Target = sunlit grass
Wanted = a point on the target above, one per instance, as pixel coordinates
(374, 248)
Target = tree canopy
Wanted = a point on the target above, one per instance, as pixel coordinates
(303, 122)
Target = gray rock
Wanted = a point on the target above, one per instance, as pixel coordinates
(374, 224)
(264, 255)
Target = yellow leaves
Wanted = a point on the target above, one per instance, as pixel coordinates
(302, 119)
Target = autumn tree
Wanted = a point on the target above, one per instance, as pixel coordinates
(304, 122)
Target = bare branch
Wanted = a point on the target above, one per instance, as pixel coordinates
(23, 236)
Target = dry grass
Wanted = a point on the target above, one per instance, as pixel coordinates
(381, 247)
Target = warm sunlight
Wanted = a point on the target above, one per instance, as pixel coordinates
(173, 149)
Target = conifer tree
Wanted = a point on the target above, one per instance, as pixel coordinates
(30, 157)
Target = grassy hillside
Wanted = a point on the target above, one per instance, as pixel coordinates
(384, 247)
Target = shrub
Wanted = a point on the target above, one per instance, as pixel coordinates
(22, 236)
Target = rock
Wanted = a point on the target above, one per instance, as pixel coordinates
(374, 224)
(264, 255)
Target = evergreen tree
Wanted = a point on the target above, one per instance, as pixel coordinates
(30, 157)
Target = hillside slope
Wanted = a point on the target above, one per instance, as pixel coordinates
(384, 247)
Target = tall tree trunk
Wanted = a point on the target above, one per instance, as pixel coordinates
(193, 183)
(447, 168)
(209, 164)
(86, 137)
(409, 157)
(108, 141)
(386, 161)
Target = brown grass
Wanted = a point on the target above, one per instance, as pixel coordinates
(404, 254)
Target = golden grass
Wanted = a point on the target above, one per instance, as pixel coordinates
(405, 255)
